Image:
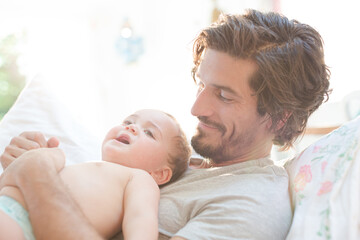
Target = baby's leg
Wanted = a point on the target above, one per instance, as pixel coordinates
(14, 220)
(9, 229)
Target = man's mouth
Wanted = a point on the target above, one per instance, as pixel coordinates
(123, 139)
(205, 124)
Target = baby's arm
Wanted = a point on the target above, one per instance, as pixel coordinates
(141, 202)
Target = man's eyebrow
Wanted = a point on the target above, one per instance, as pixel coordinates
(225, 88)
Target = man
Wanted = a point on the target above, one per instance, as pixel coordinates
(259, 77)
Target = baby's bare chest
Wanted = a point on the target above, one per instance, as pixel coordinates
(98, 188)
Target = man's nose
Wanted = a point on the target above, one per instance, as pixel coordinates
(132, 128)
(203, 104)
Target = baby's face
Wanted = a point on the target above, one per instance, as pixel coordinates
(142, 141)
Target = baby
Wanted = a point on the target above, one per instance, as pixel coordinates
(121, 192)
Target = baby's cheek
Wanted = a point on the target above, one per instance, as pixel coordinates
(112, 133)
(108, 152)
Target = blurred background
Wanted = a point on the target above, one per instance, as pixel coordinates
(112, 57)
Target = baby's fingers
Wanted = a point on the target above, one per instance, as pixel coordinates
(31, 140)
(53, 142)
(6, 159)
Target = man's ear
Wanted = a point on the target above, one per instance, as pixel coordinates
(162, 175)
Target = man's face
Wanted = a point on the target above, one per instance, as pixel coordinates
(230, 128)
(142, 141)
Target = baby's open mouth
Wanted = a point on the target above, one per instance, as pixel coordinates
(123, 139)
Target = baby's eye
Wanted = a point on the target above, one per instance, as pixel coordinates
(149, 133)
(126, 122)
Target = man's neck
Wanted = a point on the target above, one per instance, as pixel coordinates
(257, 153)
(231, 162)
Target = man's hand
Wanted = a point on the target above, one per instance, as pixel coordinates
(24, 142)
(35, 172)
(31, 164)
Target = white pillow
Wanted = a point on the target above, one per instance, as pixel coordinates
(38, 109)
(325, 187)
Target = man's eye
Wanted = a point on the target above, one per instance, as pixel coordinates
(224, 99)
(149, 133)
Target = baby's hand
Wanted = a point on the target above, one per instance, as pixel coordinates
(24, 142)
(32, 164)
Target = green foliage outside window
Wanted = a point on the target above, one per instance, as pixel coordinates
(11, 80)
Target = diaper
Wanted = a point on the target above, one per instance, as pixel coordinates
(19, 214)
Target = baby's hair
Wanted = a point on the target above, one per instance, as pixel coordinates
(180, 153)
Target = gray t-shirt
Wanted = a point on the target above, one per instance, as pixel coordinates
(248, 200)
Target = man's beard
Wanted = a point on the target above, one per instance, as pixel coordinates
(213, 152)
(216, 152)
(221, 149)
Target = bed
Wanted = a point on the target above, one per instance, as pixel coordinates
(324, 178)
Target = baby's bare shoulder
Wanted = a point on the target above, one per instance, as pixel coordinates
(140, 174)
(141, 177)
(131, 173)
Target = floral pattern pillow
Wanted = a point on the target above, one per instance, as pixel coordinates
(325, 187)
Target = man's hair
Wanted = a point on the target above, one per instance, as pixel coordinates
(179, 155)
(292, 80)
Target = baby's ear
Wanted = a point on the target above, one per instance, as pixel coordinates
(162, 175)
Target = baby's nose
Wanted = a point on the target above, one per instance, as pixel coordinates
(132, 129)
